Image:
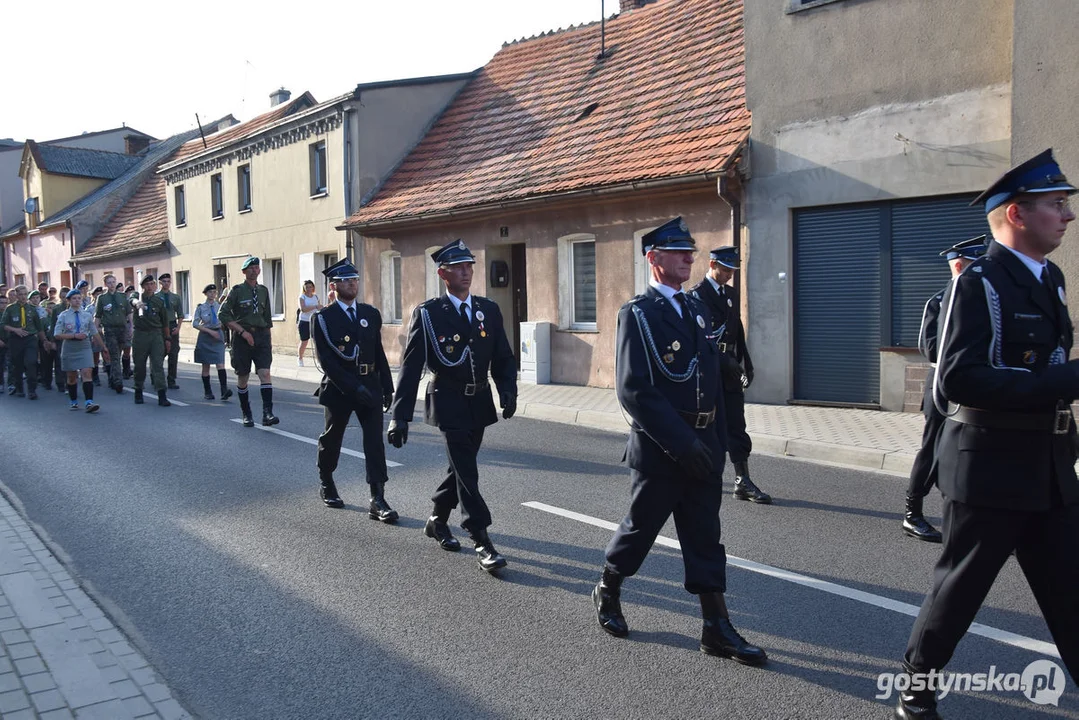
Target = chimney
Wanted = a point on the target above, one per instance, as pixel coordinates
(135, 144)
(627, 5)
(279, 96)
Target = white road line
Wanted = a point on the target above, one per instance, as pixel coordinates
(1008, 638)
(153, 396)
(309, 441)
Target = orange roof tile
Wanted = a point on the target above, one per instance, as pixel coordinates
(669, 102)
(142, 224)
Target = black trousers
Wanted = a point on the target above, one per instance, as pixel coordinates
(695, 506)
(374, 451)
(462, 483)
(23, 352)
(174, 357)
(977, 543)
(739, 445)
(45, 361)
(923, 473)
(58, 375)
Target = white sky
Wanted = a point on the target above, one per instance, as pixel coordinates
(95, 64)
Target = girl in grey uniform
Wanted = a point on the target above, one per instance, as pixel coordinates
(75, 326)
(210, 346)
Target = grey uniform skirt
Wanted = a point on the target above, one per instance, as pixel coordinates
(76, 355)
(209, 351)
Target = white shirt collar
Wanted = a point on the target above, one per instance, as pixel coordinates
(1033, 265)
(346, 307)
(457, 302)
(668, 292)
(715, 285)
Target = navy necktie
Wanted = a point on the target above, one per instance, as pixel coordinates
(352, 314)
(464, 314)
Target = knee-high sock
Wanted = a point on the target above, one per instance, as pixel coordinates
(73, 392)
(88, 389)
(245, 402)
(266, 390)
(223, 377)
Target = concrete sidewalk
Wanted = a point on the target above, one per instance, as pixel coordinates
(869, 439)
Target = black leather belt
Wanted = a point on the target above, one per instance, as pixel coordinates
(1057, 423)
(699, 420)
(469, 389)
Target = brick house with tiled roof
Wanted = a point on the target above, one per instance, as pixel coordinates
(555, 160)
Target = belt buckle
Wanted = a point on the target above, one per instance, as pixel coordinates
(470, 389)
(1062, 422)
(363, 368)
(722, 347)
(702, 420)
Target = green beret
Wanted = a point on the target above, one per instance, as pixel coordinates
(250, 261)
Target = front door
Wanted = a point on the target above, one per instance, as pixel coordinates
(519, 291)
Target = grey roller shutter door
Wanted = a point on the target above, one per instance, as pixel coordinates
(837, 303)
(921, 229)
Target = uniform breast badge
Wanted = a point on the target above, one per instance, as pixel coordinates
(479, 315)
(676, 346)
(700, 321)
(363, 322)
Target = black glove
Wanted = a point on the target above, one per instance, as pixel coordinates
(387, 400)
(397, 435)
(508, 403)
(364, 397)
(698, 461)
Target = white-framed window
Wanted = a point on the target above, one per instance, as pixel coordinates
(89, 278)
(243, 187)
(432, 282)
(43, 277)
(642, 272)
(180, 202)
(577, 282)
(328, 259)
(217, 197)
(392, 300)
(20, 279)
(183, 289)
(318, 168)
(276, 285)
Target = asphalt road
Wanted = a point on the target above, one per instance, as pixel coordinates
(207, 543)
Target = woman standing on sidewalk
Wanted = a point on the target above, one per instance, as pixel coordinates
(210, 346)
(75, 327)
(308, 305)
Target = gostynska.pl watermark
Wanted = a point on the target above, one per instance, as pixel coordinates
(1041, 682)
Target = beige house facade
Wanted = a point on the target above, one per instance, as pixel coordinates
(277, 186)
(867, 146)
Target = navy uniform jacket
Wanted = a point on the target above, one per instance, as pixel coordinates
(343, 345)
(927, 344)
(1004, 345)
(726, 328)
(646, 358)
(458, 354)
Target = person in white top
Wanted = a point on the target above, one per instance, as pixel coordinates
(308, 305)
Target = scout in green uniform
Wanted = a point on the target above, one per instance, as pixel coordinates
(150, 340)
(174, 312)
(111, 313)
(24, 328)
(247, 313)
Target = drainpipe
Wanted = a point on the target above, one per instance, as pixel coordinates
(735, 204)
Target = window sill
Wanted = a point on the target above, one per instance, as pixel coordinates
(218, 217)
(580, 329)
(322, 194)
(244, 211)
(277, 318)
(181, 225)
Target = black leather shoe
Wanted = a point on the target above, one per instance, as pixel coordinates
(162, 400)
(119, 388)
(268, 418)
(328, 493)
(606, 596)
(719, 638)
(488, 558)
(917, 706)
(248, 422)
(915, 524)
(439, 530)
(138, 397)
(379, 509)
(226, 394)
(208, 396)
(173, 385)
(32, 395)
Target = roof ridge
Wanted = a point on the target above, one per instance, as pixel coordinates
(557, 31)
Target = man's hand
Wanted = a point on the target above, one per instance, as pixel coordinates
(397, 435)
(508, 403)
(698, 461)
(387, 400)
(249, 337)
(364, 397)
(176, 330)
(79, 336)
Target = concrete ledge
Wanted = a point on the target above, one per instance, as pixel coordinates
(841, 454)
(603, 420)
(898, 462)
(553, 413)
(769, 444)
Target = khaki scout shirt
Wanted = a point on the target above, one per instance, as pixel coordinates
(248, 306)
(113, 309)
(23, 315)
(150, 315)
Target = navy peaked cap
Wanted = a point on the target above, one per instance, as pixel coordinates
(1037, 175)
(970, 249)
(727, 256)
(341, 270)
(453, 253)
(671, 235)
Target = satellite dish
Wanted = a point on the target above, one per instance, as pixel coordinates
(30, 206)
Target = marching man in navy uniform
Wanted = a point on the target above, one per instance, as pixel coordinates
(735, 365)
(923, 472)
(356, 379)
(457, 337)
(667, 380)
(1006, 454)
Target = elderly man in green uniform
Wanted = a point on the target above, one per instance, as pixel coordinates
(24, 328)
(150, 340)
(174, 311)
(246, 311)
(111, 313)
